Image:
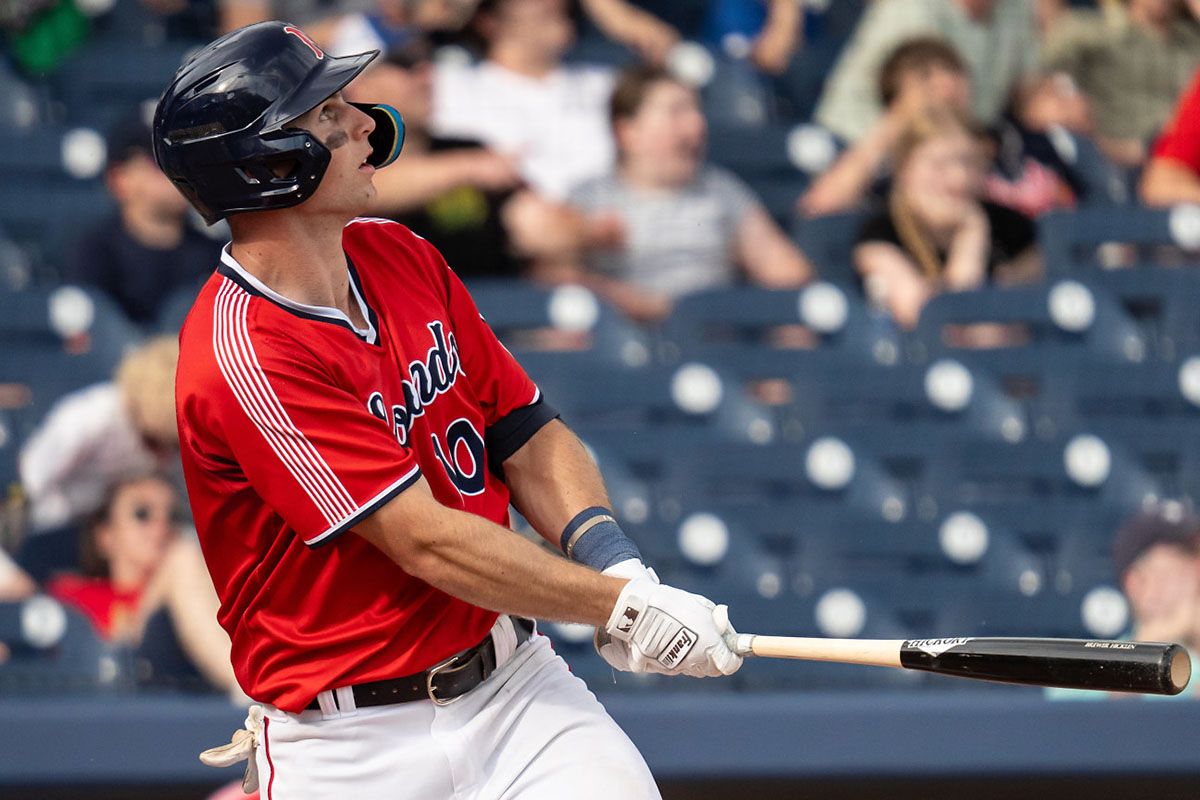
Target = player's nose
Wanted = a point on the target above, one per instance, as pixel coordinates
(366, 123)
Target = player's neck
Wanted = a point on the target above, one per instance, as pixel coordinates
(301, 259)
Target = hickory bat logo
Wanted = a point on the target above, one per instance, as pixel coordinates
(935, 647)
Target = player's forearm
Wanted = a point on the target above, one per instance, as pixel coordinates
(486, 564)
(492, 567)
(552, 478)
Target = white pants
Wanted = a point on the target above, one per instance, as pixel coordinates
(532, 731)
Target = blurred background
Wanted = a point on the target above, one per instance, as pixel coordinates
(879, 316)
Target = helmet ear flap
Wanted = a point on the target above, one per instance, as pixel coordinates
(388, 137)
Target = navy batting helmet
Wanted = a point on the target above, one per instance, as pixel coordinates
(220, 130)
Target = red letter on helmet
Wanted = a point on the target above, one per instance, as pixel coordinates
(302, 36)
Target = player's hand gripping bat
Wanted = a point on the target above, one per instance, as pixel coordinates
(1146, 667)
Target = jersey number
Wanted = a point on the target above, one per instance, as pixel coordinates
(462, 456)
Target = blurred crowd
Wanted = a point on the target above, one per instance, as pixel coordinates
(951, 126)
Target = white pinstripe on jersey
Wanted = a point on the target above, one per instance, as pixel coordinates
(245, 376)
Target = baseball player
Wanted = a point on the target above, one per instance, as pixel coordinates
(352, 435)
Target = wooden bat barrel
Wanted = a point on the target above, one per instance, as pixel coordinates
(1145, 667)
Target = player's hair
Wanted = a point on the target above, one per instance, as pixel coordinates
(913, 235)
(920, 54)
(92, 562)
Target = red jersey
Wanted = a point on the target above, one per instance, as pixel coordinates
(294, 426)
(1180, 140)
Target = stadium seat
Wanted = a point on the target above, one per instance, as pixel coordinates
(78, 661)
(175, 309)
(106, 81)
(717, 556)
(53, 341)
(547, 325)
(1161, 300)
(10, 444)
(828, 241)
(642, 416)
(46, 553)
(1073, 468)
(1055, 324)
(766, 156)
(52, 188)
(1078, 241)
(706, 476)
(750, 331)
(905, 409)
(160, 660)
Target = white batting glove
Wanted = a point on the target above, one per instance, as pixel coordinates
(615, 651)
(672, 632)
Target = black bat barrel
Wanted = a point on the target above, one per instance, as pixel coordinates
(1145, 667)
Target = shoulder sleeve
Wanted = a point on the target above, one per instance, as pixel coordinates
(513, 407)
(1181, 138)
(733, 192)
(878, 228)
(308, 446)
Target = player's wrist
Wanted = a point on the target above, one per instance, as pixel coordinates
(594, 538)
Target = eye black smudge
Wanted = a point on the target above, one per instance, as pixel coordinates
(336, 140)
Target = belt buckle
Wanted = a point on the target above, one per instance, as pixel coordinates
(435, 670)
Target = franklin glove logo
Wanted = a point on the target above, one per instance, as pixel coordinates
(678, 649)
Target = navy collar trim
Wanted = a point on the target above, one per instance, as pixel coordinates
(230, 268)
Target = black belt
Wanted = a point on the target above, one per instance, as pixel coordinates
(442, 682)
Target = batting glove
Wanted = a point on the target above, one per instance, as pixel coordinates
(672, 632)
(615, 651)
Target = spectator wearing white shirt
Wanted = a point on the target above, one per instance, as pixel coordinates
(521, 101)
(686, 226)
(99, 433)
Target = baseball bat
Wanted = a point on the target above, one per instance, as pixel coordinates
(1145, 667)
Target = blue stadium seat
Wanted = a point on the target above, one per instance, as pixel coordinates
(751, 331)
(1071, 241)
(175, 309)
(1079, 468)
(1161, 300)
(905, 409)
(760, 154)
(10, 444)
(52, 191)
(160, 660)
(105, 81)
(1060, 323)
(643, 415)
(46, 553)
(989, 614)
(79, 662)
(723, 475)
(1101, 182)
(549, 325)
(716, 556)
(828, 241)
(53, 341)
